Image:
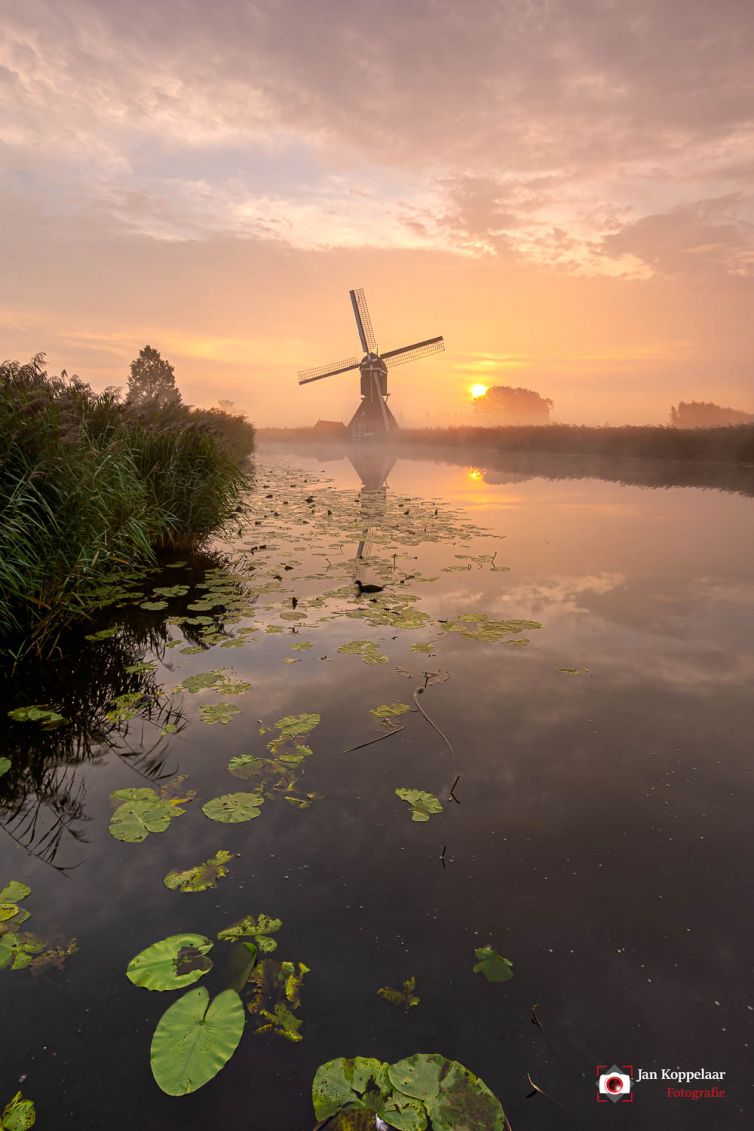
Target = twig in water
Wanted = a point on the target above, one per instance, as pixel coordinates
(379, 738)
(442, 856)
(446, 740)
(452, 796)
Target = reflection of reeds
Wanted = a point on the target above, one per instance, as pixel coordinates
(88, 486)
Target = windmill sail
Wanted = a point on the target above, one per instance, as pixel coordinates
(321, 371)
(411, 353)
(363, 321)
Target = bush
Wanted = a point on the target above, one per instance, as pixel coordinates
(87, 487)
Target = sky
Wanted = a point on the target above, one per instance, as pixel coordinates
(563, 188)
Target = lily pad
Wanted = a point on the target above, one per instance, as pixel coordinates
(18, 949)
(245, 766)
(202, 876)
(293, 726)
(38, 713)
(345, 1081)
(480, 626)
(5, 765)
(366, 650)
(153, 606)
(389, 710)
(103, 634)
(405, 997)
(194, 1039)
(492, 965)
(423, 805)
(212, 713)
(259, 930)
(14, 892)
(141, 812)
(233, 808)
(171, 963)
(276, 993)
(18, 1114)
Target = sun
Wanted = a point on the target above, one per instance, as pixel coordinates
(478, 391)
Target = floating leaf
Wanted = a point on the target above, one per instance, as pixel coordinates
(213, 713)
(103, 634)
(423, 805)
(341, 1082)
(232, 808)
(241, 958)
(463, 1100)
(57, 956)
(293, 726)
(5, 765)
(194, 1039)
(201, 876)
(494, 967)
(389, 710)
(480, 626)
(140, 669)
(171, 591)
(245, 766)
(276, 993)
(141, 812)
(302, 646)
(153, 606)
(258, 929)
(366, 650)
(171, 963)
(38, 713)
(405, 997)
(574, 671)
(18, 948)
(14, 892)
(18, 1114)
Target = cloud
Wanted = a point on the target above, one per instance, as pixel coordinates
(545, 130)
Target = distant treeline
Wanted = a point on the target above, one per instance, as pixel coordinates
(92, 484)
(505, 405)
(706, 414)
(734, 444)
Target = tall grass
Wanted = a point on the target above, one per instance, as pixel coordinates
(87, 488)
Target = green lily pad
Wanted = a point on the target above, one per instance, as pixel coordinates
(141, 812)
(245, 766)
(258, 929)
(405, 997)
(345, 1081)
(302, 646)
(366, 650)
(194, 1039)
(38, 713)
(233, 808)
(389, 710)
(212, 713)
(492, 965)
(153, 606)
(103, 634)
(171, 591)
(201, 876)
(480, 626)
(293, 726)
(14, 892)
(140, 669)
(574, 671)
(276, 993)
(5, 764)
(171, 963)
(423, 805)
(463, 1100)
(18, 948)
(18, 1114)
(203, 681)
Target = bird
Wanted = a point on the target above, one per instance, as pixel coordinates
(370, 587)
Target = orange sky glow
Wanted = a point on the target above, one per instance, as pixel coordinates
(563, 191)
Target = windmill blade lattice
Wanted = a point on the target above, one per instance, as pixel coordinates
(321, 371)
(412, 353)
(363, 320)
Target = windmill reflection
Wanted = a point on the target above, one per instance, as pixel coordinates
(372, 465)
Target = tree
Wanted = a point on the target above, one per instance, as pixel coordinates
(502, 404)
(706, 414)
(152, 381)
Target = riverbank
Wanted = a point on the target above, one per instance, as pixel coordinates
(91, 489)
(733, 445)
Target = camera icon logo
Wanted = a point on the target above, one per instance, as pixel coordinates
(614, 1083)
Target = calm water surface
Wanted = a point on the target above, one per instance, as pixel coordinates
(603, 840)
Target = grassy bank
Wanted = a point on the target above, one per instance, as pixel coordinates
(734, 444)
(89, 487)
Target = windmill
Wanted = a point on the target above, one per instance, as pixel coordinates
(372, 417)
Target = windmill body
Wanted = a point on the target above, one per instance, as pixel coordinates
(373, 417)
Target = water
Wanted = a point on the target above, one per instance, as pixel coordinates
(602, 842)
